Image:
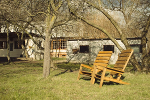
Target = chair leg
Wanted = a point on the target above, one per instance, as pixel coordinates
(119, 76)
(102, 77)
(80, 70)
(111, 76)
(93, 75)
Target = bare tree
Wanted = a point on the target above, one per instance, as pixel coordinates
(25, 14)
(135, 14)
(128, 14)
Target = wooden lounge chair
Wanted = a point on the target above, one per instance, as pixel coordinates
(117, 71)
(102, 59)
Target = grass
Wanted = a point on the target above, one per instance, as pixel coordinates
(56, 58)
(24, 81)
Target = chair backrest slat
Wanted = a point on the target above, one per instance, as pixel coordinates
(123, 59)
(124, 54)
(101, 64)
(106, 52)
(102, 58)
(103, 55)
(121, 62)
(101, 61)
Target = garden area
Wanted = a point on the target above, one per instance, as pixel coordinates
(24, 81)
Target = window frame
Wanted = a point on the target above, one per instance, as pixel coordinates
(4, 45)
(140, 48)
(19, 44)
(59, 44)
(85, 51)
(56, 44)
(109, 49)
(63, 44)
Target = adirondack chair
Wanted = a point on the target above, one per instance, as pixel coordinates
(102, 59)
(117, 71)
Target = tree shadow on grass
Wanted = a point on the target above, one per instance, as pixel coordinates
(64, 72)
(110, 82)
(86, 78)
(67, 67)
(97, 81)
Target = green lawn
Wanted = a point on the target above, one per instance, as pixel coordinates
(23, 81)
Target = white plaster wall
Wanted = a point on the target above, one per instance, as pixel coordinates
(14, 53)
(79, 57)
(32, 50)
(57, 50)
(3, 52)
(94, 47)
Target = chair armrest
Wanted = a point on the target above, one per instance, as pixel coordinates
(114, 69)
(86, 66)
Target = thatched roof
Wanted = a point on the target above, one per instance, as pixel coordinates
(14, 35)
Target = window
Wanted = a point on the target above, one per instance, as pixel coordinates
(63, 44)
(11, 46)
(84, 48)
(3, 45)
(55, 44)
(18, 44)
(109, 48)
(137, 48)
(59, 44)
(40, 44)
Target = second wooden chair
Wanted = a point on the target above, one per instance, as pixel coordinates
(116, 72)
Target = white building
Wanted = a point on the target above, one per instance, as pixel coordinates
(86, 50)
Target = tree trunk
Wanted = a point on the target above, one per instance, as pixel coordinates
(8, 45)
(145, 55)
(23, 47)
(47, 64)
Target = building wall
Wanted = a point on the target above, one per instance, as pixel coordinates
(14, 53)
(61, 53)
(94, 47)
(33, 51)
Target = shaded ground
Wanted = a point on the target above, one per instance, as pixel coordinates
(3, 59)
(23, 60)
(17, 60)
